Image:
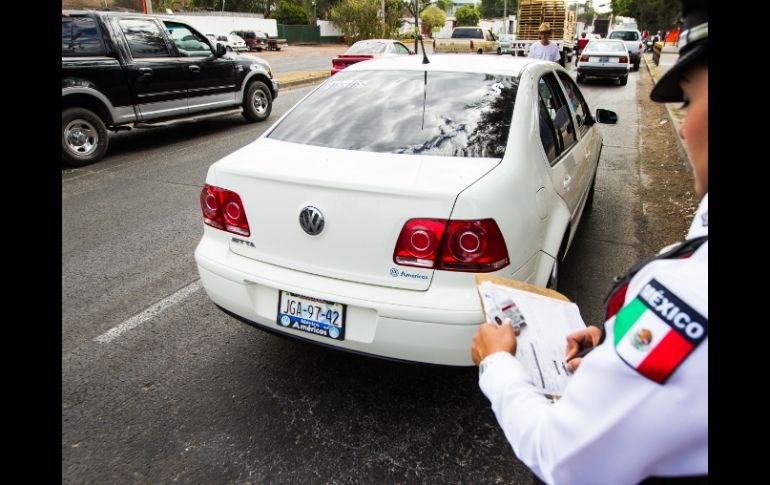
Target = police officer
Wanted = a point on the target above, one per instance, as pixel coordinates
(636, 408)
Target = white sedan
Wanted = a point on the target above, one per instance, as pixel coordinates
(360, 219)
(604, 58)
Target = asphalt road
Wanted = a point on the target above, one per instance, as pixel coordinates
(190, 395)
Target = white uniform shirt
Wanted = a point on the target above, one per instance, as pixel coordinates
(613, 425)
(548, 52)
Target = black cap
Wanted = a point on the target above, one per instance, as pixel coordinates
(693, 49)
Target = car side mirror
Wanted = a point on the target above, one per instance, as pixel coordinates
(221, 51)
(606, 116)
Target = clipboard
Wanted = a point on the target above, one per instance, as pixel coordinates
(519, 285)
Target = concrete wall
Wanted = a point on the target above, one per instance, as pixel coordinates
(224, 25)
(328, 29)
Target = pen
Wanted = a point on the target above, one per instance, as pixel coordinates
(582, 353)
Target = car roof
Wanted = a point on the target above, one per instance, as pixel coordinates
(505, 65)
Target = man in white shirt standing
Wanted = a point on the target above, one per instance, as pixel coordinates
(636, 408)
(545, 49)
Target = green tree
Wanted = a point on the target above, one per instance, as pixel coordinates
(361, 19)
(494, 8)
(433, 16)
(649, 14)
(467, 15)
(445, 5)
(288, 13)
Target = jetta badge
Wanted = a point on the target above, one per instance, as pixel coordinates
(311, 220)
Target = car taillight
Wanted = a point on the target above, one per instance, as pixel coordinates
(641, 45)
(471, 44)
(583, 58)
(223, 210)
(475, 246)
(419, 242)
(624, 59)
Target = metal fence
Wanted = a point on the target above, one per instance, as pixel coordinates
(296, 34)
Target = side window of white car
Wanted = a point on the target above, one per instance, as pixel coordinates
(577, 102)
(558, 110)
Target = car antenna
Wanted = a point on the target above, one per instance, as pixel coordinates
(424, 55)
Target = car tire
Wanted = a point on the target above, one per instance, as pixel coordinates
(480, 51)
(83, 138)
(499, 51)
(580, 78)
(636, 65)
(624, 80)
(257, 102)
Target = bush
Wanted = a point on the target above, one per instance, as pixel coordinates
(467, 16)
(432, 17)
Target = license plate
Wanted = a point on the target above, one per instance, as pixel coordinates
(311, 315)
(604, 59)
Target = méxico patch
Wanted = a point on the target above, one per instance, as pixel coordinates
(656, 331)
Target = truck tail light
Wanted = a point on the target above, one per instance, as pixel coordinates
(223, 209)
(471, 44)
(471, 246)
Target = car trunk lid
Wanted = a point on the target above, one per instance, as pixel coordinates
(365, 199)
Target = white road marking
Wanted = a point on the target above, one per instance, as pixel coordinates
(149, 313)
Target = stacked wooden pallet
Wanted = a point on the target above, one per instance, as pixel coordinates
(532, 13)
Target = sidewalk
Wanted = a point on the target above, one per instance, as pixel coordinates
(676, 115)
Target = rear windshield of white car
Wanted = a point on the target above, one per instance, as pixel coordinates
(627, 35)
(596, 46)
(366, 48)
(406, 112)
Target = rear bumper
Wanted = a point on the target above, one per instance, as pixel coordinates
(373, 327)
(603, 71)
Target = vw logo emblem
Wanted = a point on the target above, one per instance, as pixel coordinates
(311, 220)
(393, 272)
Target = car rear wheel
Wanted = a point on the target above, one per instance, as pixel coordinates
(580, 78)
(480, 51)
(624, 80)
(258, 102)
(636, 65)
(84, 137)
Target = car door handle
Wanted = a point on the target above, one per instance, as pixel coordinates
(194, 68)
(145, 71)
(567, 182)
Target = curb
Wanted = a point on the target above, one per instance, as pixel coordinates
(672, 121)
(292, 82)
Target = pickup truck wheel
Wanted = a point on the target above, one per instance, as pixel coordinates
(83, 138)
(258, 102)
(480, 51)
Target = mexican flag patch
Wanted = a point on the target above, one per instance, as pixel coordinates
(656, 331)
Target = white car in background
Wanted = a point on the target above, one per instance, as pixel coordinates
(604, 58)
(634, 44)
(231, 42)
(360, 219)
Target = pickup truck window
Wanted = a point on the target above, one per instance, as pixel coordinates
(80, 37)
(450, 114)
(467, 34)
(187, 42)
(144, 38)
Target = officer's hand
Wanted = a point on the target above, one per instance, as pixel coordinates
(492, 338)
(582, 339)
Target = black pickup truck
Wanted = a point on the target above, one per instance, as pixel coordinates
(122, 70)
